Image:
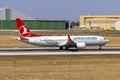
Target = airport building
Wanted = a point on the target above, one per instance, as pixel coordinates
(100, 22)
(8, 16)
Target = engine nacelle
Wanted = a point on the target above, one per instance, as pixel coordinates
(81, 45)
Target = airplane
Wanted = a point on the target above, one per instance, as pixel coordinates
(63, 42)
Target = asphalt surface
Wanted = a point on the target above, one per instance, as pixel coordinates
(56, 51)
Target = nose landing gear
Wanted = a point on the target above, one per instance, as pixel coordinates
(100, 47)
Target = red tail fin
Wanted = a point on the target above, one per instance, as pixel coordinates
(24, 30)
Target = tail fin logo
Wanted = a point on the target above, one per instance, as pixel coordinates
(24, 31)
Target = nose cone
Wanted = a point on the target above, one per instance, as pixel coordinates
(107, 41)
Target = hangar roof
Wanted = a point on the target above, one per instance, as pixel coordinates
(11, 14)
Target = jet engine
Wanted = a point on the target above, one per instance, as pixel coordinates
(80, 45)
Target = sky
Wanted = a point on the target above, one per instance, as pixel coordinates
(63, 9)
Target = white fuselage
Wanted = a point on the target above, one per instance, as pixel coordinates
(57, 41)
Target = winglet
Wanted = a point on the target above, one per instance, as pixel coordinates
(69, 39)
(24, 30)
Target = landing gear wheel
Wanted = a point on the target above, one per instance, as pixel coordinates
(66, 48)
(61, 48)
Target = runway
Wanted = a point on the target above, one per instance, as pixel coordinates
(56, 51)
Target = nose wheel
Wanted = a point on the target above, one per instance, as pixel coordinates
(100, 47)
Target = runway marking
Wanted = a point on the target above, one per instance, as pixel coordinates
(55, 51)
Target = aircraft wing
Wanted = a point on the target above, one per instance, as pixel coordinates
(70, 43)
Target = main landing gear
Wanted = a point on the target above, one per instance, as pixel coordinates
(61, 48)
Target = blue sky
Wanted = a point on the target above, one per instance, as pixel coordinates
(63, 9)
